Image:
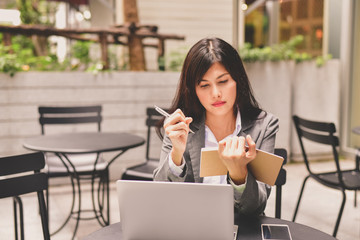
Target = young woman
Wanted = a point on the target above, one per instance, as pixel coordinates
(214, 98)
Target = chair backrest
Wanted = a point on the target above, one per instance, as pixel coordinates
(31, 180)
(318, 132)
(70, 115)
(280, 181)
(152, 122)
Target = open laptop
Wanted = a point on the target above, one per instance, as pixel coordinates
(172, 210)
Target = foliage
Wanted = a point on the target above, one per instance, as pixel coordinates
(34, 53)
(277, 52)
(83, 61)
(36, 11)
(80, 51)
(176, 59)
(20, 57)
(320, 61)
(8, 63)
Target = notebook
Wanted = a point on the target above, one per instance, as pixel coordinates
(172, 210)
(265, 167)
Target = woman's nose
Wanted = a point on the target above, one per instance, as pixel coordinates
(216, 92)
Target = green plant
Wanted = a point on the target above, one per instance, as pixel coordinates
(20, 57)
(161, 63)
(278, 52)
(321, 60)
(36, 11)
(80, 51)
(176, 58)
(8, 63)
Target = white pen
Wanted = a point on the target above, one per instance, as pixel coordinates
(165, 114)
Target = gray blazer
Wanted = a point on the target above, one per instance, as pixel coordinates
(253, 199)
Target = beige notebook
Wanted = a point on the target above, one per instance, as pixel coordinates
(265, 167)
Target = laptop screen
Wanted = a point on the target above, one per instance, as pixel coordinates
(172, 210)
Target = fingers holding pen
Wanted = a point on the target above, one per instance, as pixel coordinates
(177, 122)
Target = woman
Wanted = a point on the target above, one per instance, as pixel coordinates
(215, 96)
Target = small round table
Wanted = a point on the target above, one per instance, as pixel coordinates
(249, 228)
(82, 143)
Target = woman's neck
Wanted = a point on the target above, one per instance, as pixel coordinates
(221, 126)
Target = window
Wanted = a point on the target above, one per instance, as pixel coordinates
(303, 17)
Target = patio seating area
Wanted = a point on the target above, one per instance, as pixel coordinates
(318, 209)
(295, 59)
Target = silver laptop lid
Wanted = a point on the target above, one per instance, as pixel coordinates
(171, 211)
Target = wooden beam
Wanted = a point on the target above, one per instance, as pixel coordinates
(133, 32)
(104, 50)
(136, 49)
(7, 39)
(80, 34)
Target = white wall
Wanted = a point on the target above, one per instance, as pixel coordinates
(192, 19)
(282, 88)
(123, 95)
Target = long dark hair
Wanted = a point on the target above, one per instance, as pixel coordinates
(199, 59)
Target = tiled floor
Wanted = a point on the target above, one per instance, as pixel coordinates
(319, 208)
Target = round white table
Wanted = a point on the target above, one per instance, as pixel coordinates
(82, 143)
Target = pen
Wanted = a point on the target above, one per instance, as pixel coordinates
(165, 114)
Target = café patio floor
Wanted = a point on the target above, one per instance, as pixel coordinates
(319, 208)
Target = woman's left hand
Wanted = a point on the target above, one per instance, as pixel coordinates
(236, 156)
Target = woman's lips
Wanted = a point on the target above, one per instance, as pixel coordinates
(218, 104)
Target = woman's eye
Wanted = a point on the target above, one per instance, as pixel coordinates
(204, 86)
(223, 81)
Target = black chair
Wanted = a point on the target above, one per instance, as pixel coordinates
(83, 163)
(144, 171)
(356, 130)
(280, 181)
(323, 133)
(21, 176)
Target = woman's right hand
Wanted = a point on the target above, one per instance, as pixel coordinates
(177, 128)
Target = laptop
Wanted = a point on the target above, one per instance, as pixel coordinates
(173, 210)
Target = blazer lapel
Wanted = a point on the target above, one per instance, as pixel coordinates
(247, 128)
(195, 143)
(246, 125)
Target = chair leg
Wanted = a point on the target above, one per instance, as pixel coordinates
(47, 204)
(357, 163)
(44, 215)
(17, 201)
(102, 197)
(108, 198)
(340, 214)
(15, 219)
(278, 202)
(298, 203)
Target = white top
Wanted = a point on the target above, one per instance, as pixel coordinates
(210, 141)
